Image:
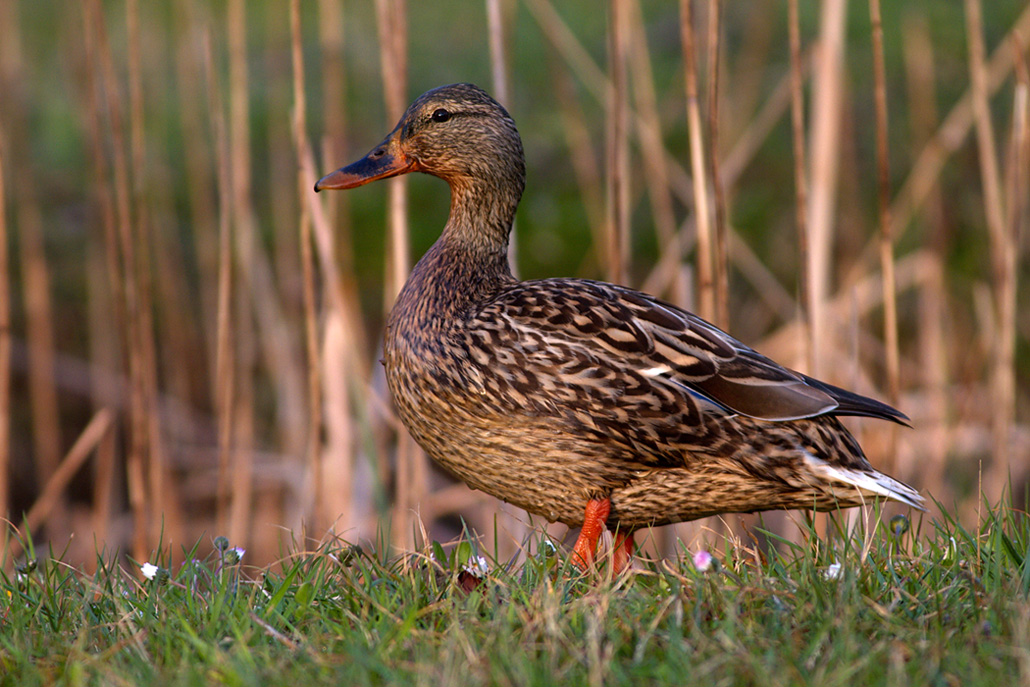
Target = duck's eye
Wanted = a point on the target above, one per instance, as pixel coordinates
(441, 115)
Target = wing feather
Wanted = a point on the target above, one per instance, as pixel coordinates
(638, 337)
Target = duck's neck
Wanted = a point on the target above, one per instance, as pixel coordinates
(482, 213)
(468, 263)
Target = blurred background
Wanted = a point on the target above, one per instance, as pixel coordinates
(189, 337)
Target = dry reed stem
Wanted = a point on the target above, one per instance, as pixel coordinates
(201, 184)
(139, 425)
(498, 18)
(1003, 381)
(649, 132)
(498, 21)
(166, 518)
(5, 339)
(392, 24)
(797, 122)
(705, 284)
(334, 370)
(890, 303)
(922, 98)
(45, 412)
(104, 389)
(314, 378)
(1001, 345)
(719, 257)
(334, 111)
(825, 146)
(617, 146)
(49, 496)
(225, 355)
(249, 254)
(106, 341)
(411, 470)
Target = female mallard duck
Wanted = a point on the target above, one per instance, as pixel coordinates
(584, 402)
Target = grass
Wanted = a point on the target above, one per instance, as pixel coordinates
(936, 604)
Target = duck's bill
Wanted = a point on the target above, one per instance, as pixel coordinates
(383, 162)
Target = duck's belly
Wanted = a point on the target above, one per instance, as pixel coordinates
(530, 461)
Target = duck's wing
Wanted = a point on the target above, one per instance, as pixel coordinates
(583, 336)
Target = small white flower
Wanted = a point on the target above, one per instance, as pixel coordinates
(476, 566)
(703, 561)
(149, 570)
(832, 572)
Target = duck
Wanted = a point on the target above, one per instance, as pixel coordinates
(584, 402)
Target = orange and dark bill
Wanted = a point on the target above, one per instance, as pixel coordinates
(386, 160)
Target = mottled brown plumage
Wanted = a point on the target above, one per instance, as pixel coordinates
(555, 393)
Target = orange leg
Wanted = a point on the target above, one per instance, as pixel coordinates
(593, 525)
(623, 552)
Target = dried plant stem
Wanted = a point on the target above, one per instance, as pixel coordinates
(166, 517)
(797, 121)
(920, 78)
(496, 25)
(311, 334)
(497, 20)
(411, 471)
(225, 357)
(105, 340)
(42, 392)
(720, 257)
(617, 145)
(334, 111)
(890, 305)
(1002, 374)
(139, 425)
(50, 495)
(649, 132)
(235, 514)
(1003, 380)
(200, 172)
(5, 340)
(825, 147)
(705, 283)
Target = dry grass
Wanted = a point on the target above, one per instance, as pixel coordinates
(193, 334)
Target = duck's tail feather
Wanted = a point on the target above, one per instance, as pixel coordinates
(870, 481)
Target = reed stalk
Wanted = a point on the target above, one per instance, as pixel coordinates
(702, 217)
(797, 123)
(236, 514)
(823, 172)
(890, 303)
(36, 296)
(924, 120)
(720, 255)
(1001, 345)
(617, 177)
(5, 338)
(225, 354)
(649, 133)
(139, 425)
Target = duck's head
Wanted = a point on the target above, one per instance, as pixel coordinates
(457, 133)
